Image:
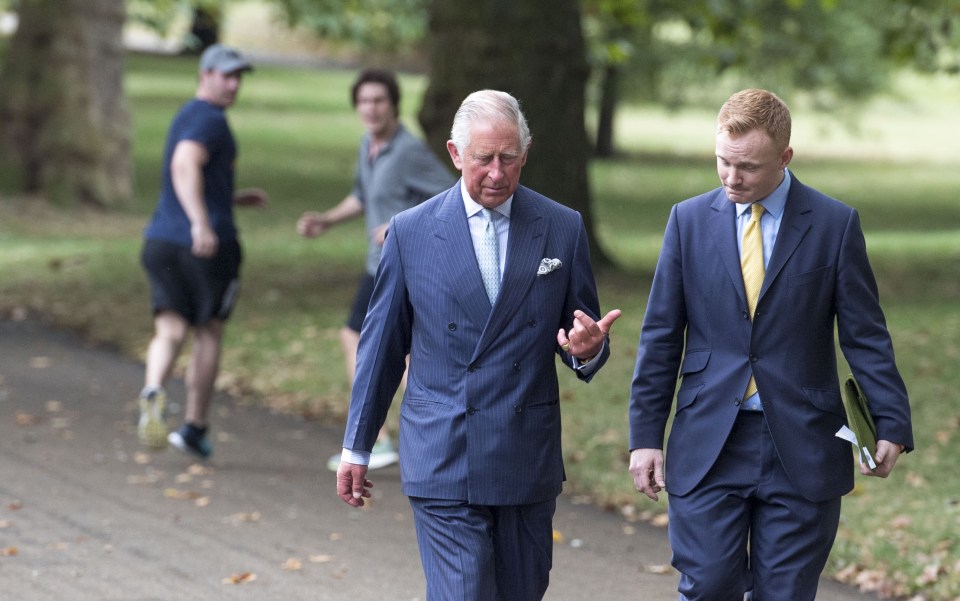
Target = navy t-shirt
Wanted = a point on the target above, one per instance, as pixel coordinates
(206, 124)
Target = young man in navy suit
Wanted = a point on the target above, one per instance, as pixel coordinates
(755, 471)
(484, 286)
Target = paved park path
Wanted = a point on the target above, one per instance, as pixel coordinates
(87, 515)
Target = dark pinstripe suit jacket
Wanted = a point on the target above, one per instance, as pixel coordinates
(480, 419)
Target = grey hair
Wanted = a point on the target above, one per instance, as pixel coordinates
(488, 105)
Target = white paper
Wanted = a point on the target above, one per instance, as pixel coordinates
(847, 434)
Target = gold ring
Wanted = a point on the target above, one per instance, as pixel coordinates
(565, 347)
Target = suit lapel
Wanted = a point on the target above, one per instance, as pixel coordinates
(525, 246)
(797, 220)
(724, 229)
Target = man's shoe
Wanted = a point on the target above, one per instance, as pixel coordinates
(382, 455)
(152, 427)
(191, 439)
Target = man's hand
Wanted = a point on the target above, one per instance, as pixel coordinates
(585, 338)
(646, 466)
(312, 224)
(352, 484)
(204, 241)
(251, 197)
(379, 234)
(886, 457)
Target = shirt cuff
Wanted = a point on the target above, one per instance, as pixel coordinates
(355, 457)
(589, 367)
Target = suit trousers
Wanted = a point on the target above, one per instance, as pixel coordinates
(482, 552)
(746, 527)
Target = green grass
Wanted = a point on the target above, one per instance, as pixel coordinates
(297, 135)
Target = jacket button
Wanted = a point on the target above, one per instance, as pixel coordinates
(471, 368)
(737, 401)
(451, 326)
(532, 323)
(746, 315)
(517, 408)
(754, 358)
(516, 366)
(471, 410)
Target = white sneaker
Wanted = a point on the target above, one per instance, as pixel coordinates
(382, 455)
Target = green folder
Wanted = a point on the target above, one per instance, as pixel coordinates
(859, 420)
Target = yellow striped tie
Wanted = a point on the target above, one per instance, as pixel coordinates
(751, 263)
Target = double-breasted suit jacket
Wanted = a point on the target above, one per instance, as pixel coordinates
(480, 417)
(818, 283)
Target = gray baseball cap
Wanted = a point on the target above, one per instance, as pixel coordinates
(223, 59)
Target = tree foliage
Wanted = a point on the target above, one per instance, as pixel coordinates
(840, 50)
(380, 25)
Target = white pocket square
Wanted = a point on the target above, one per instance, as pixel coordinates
(548, 265)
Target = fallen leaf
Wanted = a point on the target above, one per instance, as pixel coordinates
(657, 568)
(931, 574)
(241, 578)
(173, 493)
(53, 406)
(202, 501)
(26, 419)
(199, 470)
(15, 505)
(661, 520)
(141, 458)
(40, 362)
(148, 478)
(901, 521)
(320, 558)
(558, 537)
(244, 518)
(8, 551)
(292, 564)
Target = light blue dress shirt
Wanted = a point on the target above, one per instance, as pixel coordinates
(769, 228)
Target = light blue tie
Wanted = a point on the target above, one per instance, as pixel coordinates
(488, 255)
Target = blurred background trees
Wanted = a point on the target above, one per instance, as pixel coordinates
(571, 62)
(64, 124)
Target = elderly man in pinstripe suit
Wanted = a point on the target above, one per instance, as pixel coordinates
(483, 285)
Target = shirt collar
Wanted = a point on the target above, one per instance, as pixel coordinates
(775, 202)
(473, 207)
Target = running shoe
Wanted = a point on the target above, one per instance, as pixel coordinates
(191, 439)
(152, 427)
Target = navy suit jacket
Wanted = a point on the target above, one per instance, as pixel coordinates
(818, 282)
(480, 418)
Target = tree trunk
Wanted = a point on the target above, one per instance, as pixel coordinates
(536, 54)
(205, 29)
(66, 127)
(609, 96)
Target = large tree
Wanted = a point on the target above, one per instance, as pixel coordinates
(66, 130)
(537, 56)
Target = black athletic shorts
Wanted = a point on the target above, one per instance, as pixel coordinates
(198, 289)
(360, 302)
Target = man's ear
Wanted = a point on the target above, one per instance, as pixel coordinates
(455, 155)
(786, 157)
